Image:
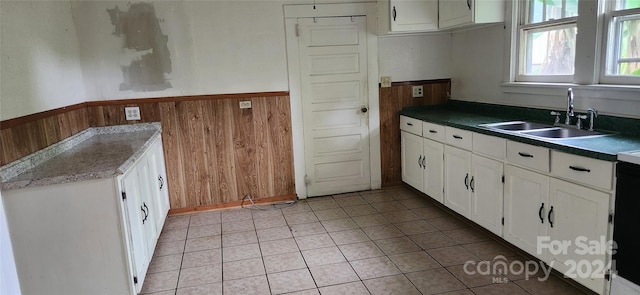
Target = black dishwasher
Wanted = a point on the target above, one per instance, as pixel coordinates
(627, 220)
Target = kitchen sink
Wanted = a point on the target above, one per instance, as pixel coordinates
(541, 130)
(563, 133)
(517, 126)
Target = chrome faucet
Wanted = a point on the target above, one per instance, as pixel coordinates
(570, 114)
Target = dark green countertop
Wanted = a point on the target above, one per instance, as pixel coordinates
(469, 115)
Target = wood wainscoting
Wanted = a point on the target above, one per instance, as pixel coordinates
(392, 100)
(215, 152)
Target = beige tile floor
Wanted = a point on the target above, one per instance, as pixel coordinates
(391, 241)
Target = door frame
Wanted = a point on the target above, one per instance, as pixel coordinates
(291, 15)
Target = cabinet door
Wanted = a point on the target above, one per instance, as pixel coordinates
(578, 215)
(414, 15)
(434, 169)
(159, 184)
(487, 193)
(455, 12)
(147, 183)
(135, 217)
(526, 201)
(457, 176)
(412, 168)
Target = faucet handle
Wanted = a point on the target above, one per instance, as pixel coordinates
(579, 121)
(557, 114)
(592, 114)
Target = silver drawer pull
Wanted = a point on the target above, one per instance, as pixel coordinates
(579, 169)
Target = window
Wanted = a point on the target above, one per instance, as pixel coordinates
(622, 62)
(547, 47)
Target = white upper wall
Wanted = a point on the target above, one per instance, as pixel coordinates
(477, 64)
(415, 57)
(58, 53)
(214, 47)
(39, 59)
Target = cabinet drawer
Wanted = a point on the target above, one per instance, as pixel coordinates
(458, 137)
(411, 125)
(491, 146)
(581, 169)
(530, 156)
(433, 131)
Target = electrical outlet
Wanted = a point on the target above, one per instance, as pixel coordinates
(385, 81)
(245, 104)
(132, 113)
(417, 91)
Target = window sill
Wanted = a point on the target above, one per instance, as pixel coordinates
(605, 91)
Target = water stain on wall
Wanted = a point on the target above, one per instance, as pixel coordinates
(143, 40)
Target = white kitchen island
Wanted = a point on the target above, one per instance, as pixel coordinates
(85, 214)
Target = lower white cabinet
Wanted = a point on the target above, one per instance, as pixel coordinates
(542, 213)
(88, 237)
(457, 178)
(411, 157)
(473, 187)
(526, 201)
(579, 216)
(433, 169)
(487, 192)
(422, 164)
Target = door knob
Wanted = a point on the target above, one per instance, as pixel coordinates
(363, 109)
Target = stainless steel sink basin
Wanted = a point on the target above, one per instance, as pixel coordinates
(563, 133)
(541, 130)
(517, 126)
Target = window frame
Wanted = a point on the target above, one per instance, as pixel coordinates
(609, 52)
(522, 12)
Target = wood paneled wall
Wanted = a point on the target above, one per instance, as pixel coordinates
(392, 100)
(19, 137)
(215, 152)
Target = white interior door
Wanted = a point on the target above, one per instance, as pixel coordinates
(333, 70)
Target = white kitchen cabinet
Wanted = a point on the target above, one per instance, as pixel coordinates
(422, 161)
(487, 193)
(94, 236)
(413, 15)
(578, 214)
(433, 179)
(457, 177)
(160, 189)
(411, 149)
(456, 13)
(526, 203)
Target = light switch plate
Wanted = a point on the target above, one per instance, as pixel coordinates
(132, 113)
(417, 91)
(385, 81)
(245, 104)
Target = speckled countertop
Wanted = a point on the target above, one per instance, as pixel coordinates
(603, 148)
(93, 153)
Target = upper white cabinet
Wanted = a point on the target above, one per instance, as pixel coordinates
(407, 16)
(413, 15)
(456, 13)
